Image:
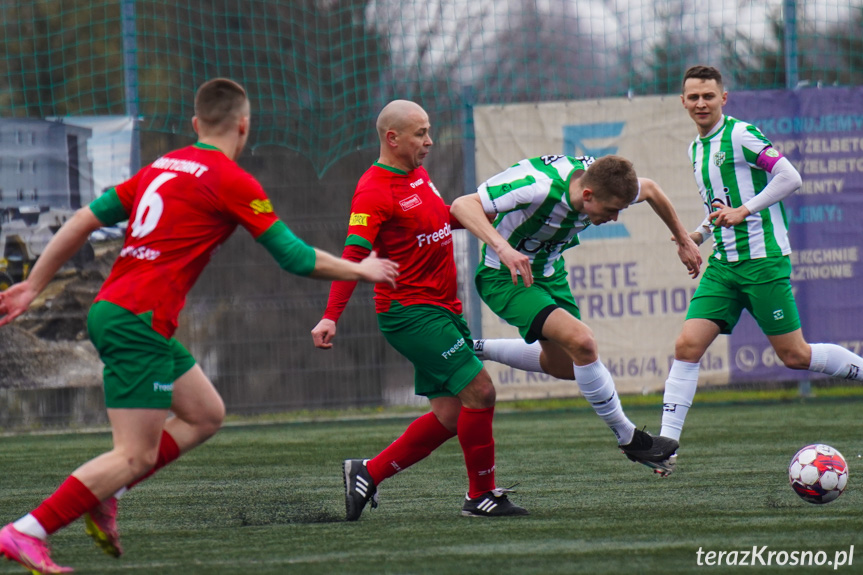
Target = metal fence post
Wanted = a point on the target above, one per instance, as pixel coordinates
(474, 309)
(789, 16)
(130, 76)
(792, 80)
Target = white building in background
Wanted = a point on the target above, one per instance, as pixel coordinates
(44, 164)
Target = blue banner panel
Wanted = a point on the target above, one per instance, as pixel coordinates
(821, 131)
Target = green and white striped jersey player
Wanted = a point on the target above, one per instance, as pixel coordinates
(536, 213)
(538, 207)
(533, 210)
(731, 168)
(742, 180)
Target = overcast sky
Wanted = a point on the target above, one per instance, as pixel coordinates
(429, 32)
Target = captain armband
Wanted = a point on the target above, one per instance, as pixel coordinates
(768, 158)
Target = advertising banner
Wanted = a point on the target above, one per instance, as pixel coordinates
(821, 132)
(626, 277)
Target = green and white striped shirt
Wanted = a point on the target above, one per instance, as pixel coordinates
(724, 166)
(534, 211)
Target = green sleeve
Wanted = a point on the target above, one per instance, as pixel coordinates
(293, 254)
(355, 240)
(108, 209)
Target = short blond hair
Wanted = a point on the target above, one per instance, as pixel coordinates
(612, 177)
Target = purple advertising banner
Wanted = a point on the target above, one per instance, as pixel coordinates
(821, 131)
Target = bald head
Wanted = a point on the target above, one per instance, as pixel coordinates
(398, 115)
(403, 128)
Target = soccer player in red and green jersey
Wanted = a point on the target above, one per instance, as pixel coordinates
(397, 211)
(160, 403)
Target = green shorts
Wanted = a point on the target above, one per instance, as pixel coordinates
(437, 342)
(141, 365)
(520, 305)
(762, 286)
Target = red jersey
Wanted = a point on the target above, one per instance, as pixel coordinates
(402, 217)
(181, 208)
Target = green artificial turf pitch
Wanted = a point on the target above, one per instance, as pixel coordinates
(269, 498)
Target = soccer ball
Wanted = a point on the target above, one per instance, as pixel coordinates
(818, 473)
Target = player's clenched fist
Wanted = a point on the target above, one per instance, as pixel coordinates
(323, 334)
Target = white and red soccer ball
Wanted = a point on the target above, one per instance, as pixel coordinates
(818, 473)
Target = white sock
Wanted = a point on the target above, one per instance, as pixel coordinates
(596, 385)
(679, 391)
(515, 353)
(837, 361)
(29, 526)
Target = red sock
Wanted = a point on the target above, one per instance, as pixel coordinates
(423, 436)
(477, 442)
(168, 452)
(71, 500)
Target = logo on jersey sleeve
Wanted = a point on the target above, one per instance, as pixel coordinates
(550, 159)
(771, 153)
(410, 203)
(261, 206)
(359, 220)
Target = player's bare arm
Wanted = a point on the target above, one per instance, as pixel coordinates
(340, 293)
(468, 210)
(687, 249)
(65, 244)
(696, 237)
(372, 269)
